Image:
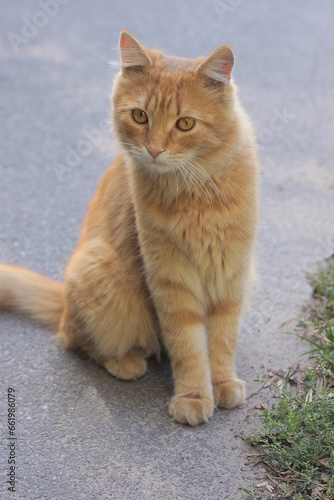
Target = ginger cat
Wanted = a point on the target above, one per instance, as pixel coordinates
(166, 250)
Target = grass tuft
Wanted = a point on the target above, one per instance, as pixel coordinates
(298, 434)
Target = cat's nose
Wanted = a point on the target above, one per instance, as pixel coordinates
(154, 152)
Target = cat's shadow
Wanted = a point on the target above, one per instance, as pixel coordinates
(150, 393)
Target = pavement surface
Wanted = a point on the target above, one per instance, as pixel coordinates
(80, 433)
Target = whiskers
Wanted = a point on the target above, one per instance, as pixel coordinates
(178, 175)
(130, 151)
(126, 144)
(201, 181)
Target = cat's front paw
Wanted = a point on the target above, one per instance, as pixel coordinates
(191, 410)
(229, 394)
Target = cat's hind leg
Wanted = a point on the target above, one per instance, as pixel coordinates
(108, 311)
(128, 367)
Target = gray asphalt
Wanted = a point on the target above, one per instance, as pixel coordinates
(80, 433)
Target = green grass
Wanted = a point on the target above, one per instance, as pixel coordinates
(298, 434)
(253, 495)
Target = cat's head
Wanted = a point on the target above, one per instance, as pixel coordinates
(170, 111)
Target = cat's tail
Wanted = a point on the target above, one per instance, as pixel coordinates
(32, 294)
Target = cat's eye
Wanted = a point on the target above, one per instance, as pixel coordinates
(185, 124)
(139, 116)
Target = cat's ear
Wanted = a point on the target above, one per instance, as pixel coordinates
(133, 54)
(218, 66)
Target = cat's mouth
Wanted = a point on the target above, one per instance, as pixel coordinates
(158, 165)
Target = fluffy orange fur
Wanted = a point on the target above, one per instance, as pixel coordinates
(166, 251)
